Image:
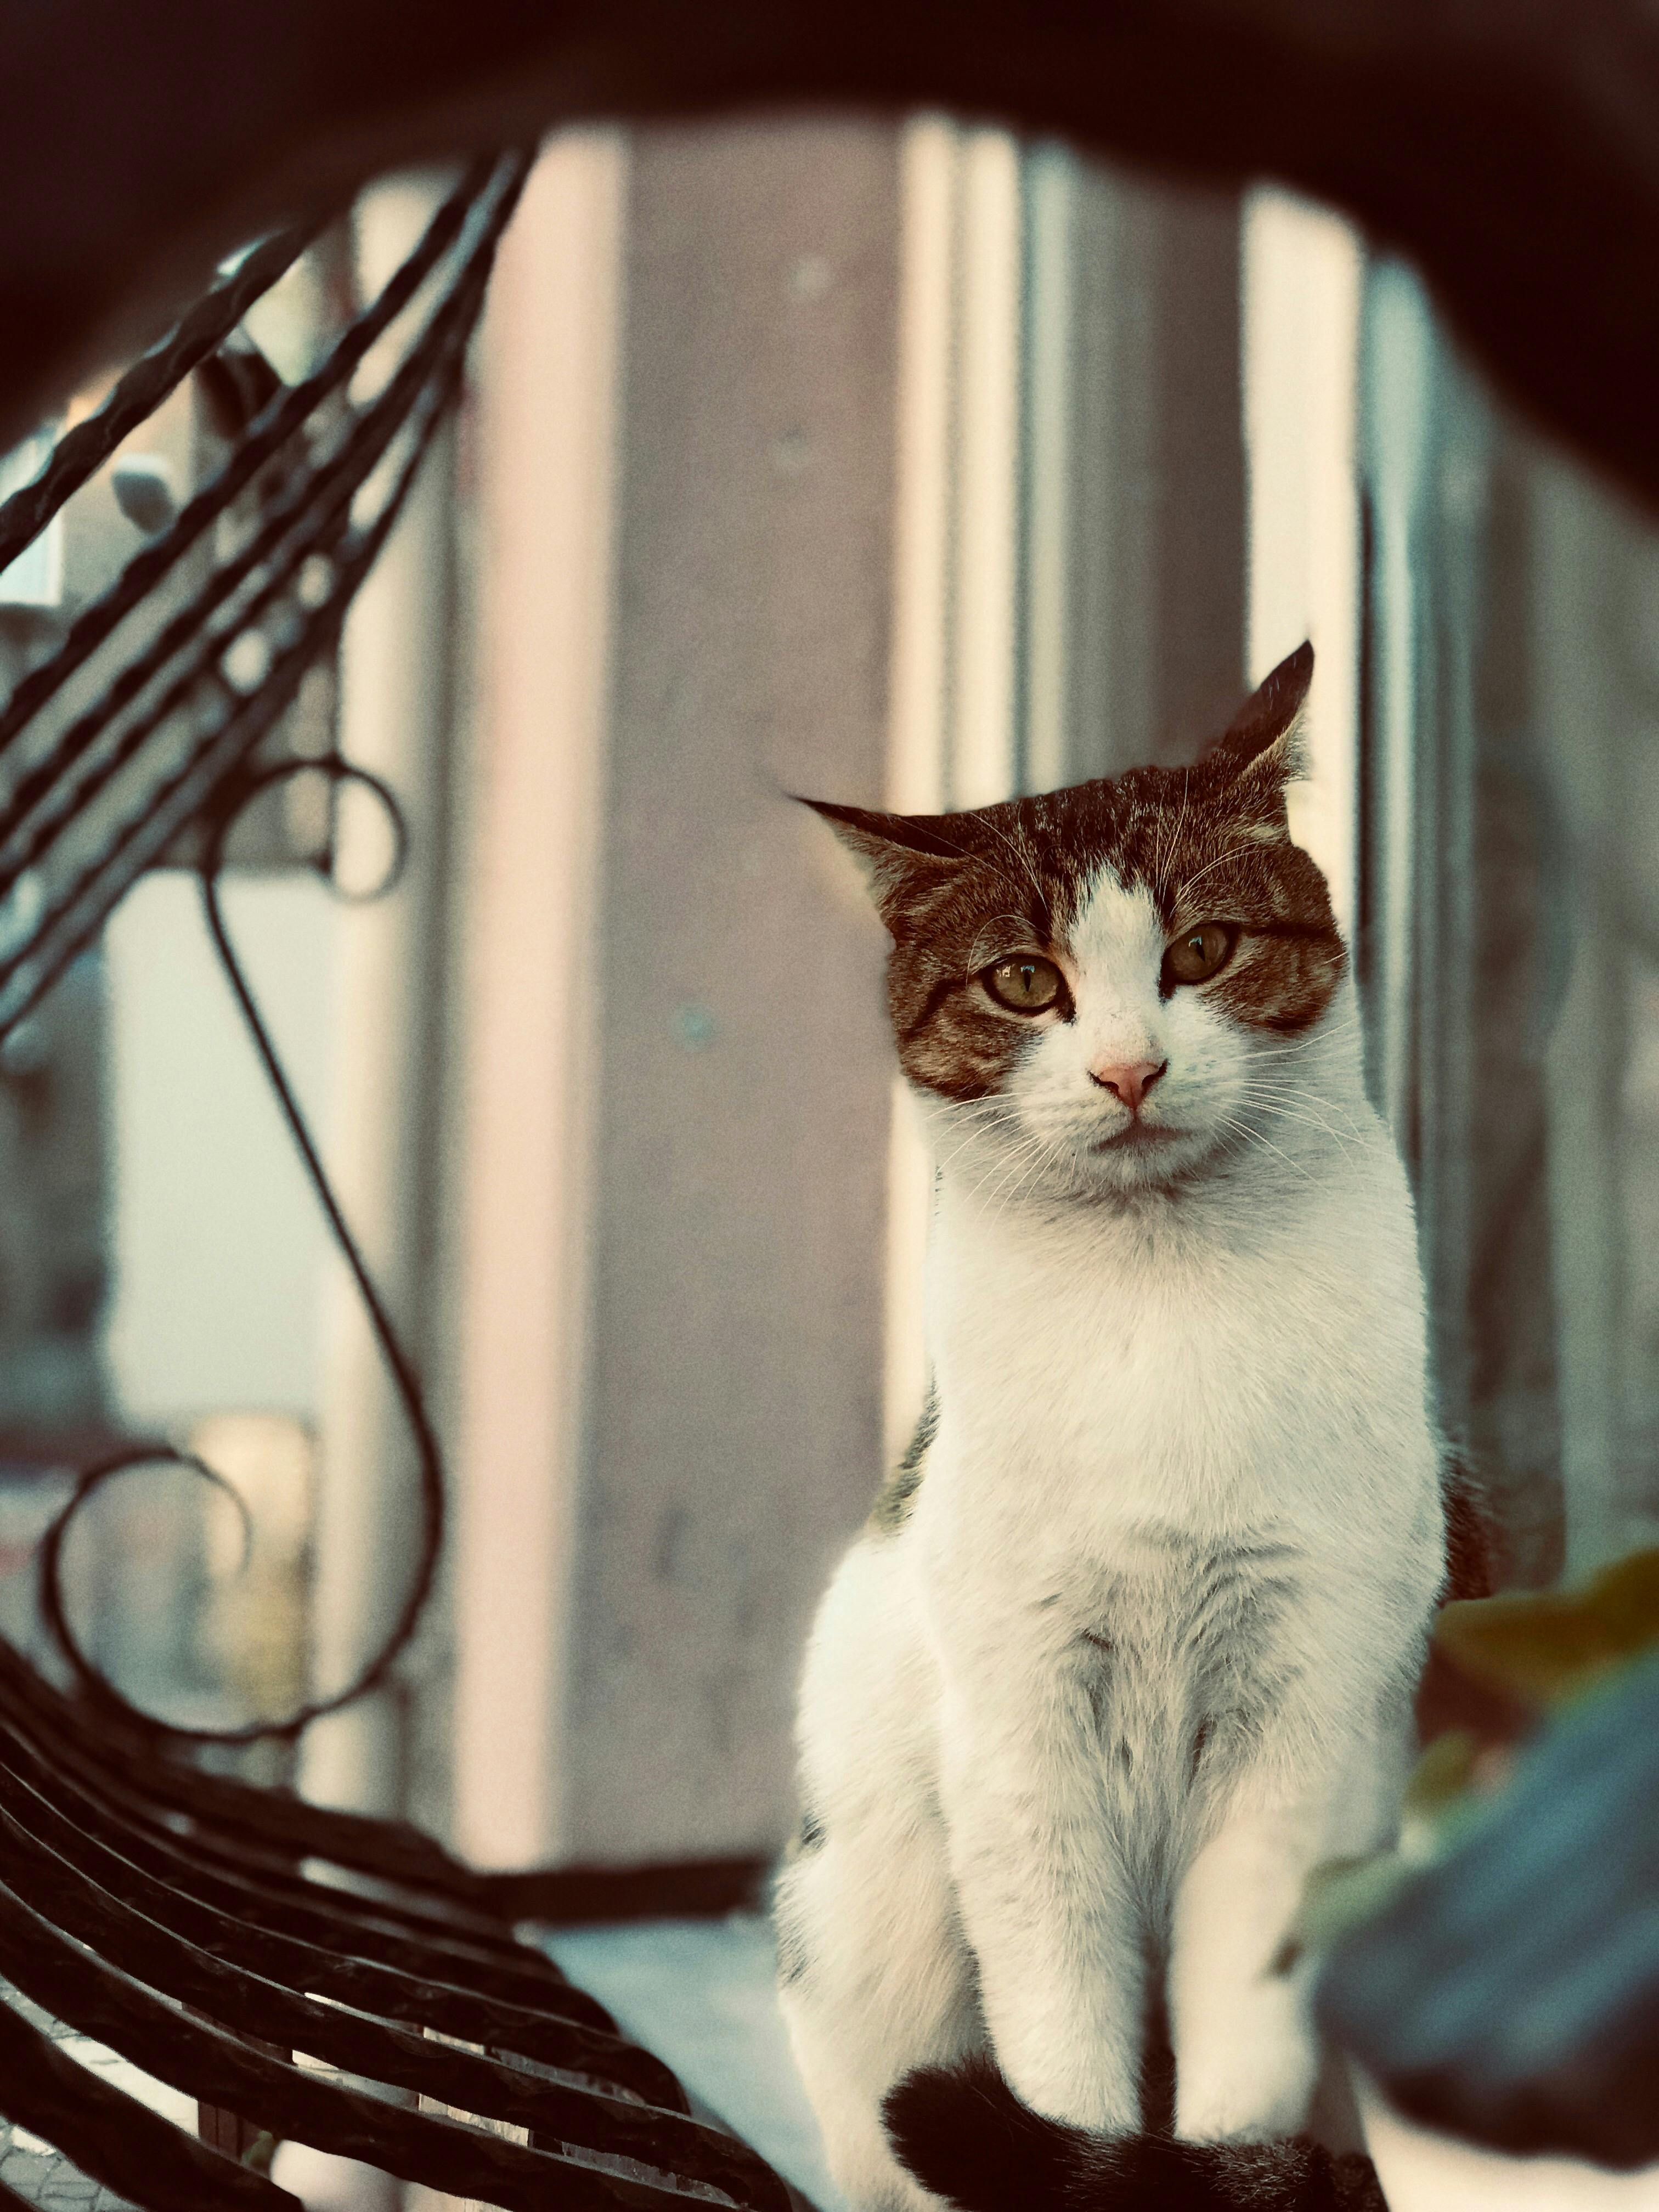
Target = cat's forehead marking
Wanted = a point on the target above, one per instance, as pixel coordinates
(1146, 829)
(1118, 926)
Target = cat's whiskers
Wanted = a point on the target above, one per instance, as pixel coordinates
(1266, 1084)
(1046, 1156)
(986, 1125)
(1285, 1102)
(1000, 1198)
(1301, 1094)
(1276, 1077)
(1031, 1149)
(1312, 1128)
(1256, 1137)
(1005, 1179)
(983, 1125)
(1324, 1060)
(1304, 1106)
(986, 1169)
(1326, 1033)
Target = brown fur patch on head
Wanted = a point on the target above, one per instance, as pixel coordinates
(959, 891)
(1290, 957)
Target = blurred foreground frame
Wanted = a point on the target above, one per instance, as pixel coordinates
(1507, 147)
(1510, 147)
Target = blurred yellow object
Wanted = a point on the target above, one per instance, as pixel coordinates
(256, 1623)
(1544, 1648)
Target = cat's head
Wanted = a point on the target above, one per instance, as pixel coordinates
(1108, 983)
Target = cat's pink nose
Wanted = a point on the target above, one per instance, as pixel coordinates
(1130, 1079)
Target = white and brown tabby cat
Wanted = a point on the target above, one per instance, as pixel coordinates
(1129, 1643)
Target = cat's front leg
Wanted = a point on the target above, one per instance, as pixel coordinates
(1044, 1890)
(1246, 2052)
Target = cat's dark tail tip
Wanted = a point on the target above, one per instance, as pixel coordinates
(965, 2136)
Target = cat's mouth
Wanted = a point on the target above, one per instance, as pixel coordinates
(1138, 1137)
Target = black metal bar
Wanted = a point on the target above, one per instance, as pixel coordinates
(564, 2028)
(80, 452)
(316, 500)
(389, 1850)
(253, 2006)
(296, 2103)
(313, 1912)
(320, 504)
(114, 2138)
(688, 1889)
(70, 922)
(264, 439)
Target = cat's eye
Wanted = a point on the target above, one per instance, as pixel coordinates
(1198, 953)
(1026, 984)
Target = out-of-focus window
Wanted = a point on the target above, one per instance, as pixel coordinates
(1507, 806)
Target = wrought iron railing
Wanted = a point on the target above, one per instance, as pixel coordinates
(210, 1932)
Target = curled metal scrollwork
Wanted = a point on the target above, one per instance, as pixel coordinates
(231, 805)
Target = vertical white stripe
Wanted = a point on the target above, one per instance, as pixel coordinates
(924, 410)
(1050, 355)
(984, 629)
(1301, 290)
(545, 491)
(394, 704)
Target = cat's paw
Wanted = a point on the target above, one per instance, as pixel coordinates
(1247, 2078)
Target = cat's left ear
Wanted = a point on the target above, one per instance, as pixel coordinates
(1262, 745)
(904, 856)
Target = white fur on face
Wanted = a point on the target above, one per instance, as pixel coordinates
(1193, 1110)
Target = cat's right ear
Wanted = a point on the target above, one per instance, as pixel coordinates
(904, 856)
(1264, 737)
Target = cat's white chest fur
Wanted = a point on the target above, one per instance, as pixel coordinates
(1219, 1361)
(1183, 1471)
